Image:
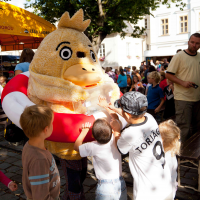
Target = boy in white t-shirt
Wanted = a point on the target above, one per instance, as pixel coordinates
(140, 137)
(106, 160)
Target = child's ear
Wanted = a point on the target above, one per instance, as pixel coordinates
(129, 114)
(45, 129)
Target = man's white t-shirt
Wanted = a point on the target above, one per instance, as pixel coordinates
(171, 162)
(152, 179)
(106, 158)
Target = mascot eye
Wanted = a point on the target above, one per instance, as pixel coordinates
(65, 53)
(92, 55)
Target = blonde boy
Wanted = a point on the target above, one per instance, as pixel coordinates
(155, 94)
(40, 179)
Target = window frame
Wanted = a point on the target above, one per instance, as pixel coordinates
(102, 50)
(145, 23)
(163, 26)
(183, 22)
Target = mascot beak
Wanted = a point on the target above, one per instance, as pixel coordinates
(84, 75)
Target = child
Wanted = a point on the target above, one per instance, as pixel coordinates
(11, 75)
(141, 138)
(106, 159)
(41, 179)
(155, 94)
(170, 134)
(7, 182)
(135, 84)
(3, 81)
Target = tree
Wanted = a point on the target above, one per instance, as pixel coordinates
(107, 16)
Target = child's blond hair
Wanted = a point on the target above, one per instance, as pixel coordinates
(170, 134)
(34, 119)
(3, 77)
(155, 75)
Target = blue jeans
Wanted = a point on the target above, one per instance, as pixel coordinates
(111, 189)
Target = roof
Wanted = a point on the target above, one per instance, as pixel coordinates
(129, 28)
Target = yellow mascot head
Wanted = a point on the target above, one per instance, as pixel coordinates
(63, 71)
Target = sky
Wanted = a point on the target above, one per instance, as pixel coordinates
(19, 3)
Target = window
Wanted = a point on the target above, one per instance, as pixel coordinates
(164, 27)
(184, 24)
(102, 50)
(145, 23)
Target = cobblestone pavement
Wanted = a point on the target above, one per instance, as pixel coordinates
(11, 165)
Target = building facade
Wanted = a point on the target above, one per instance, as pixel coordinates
(170, 29)
(128, 51)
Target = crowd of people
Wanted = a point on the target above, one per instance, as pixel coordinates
(150, 80)
(133, 129)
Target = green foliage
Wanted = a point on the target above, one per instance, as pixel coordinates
(110, 19)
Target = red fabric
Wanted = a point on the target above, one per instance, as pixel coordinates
(116, 77)
(163, 84)
(4, 179)
(66, 127)
(17, 83)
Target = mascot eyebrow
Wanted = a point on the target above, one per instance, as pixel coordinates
(61, 44)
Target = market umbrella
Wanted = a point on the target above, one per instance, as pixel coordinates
(21, 29)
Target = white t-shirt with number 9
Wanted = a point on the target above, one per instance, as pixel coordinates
(152, 179)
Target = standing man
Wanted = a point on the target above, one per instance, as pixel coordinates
(141, 67)
(184, 71)
(128, 71)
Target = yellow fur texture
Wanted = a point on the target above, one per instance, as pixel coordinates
(64, 65)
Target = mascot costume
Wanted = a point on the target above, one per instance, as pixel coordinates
(66, 76)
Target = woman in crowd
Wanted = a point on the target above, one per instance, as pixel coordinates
(24, 61)
(122, 81)
(111, 73)
(158, 65)
(129, 82)
(163, 82)
(138, 75)
(116, 73)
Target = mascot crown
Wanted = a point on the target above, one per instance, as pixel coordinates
(76, 22)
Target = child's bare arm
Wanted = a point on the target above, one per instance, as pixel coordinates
(131, 88)
(159, 107)
(79, 140)
(103, 103)
(115, 110)
(116, 126)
